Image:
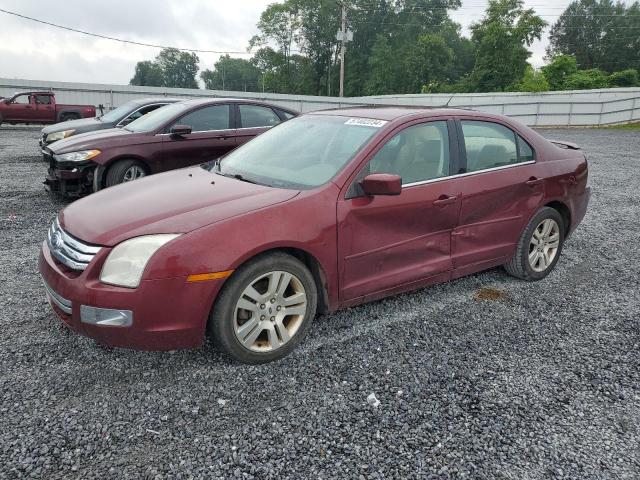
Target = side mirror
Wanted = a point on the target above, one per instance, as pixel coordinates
(180, 130)
(381, 184)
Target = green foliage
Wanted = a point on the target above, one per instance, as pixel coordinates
(586, 79)
(235, 74)
(625, 78)
(500, 39)
(533, 81)
(599, 33)
(557, 71)
(147, 73)
(171, 68)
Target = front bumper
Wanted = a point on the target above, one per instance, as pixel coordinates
(166, 313)
(69, 180)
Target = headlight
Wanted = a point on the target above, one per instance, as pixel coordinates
(54, 137)
(126, 262)
(80, 156)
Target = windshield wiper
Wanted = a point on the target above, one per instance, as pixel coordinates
(237, 176)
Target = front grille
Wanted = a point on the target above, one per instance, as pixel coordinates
(68, 250)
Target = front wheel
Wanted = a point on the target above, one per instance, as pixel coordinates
(539, 246)
(264, 310)
(124, 171)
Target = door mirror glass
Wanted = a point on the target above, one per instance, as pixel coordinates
(180, 130)
(381, 184)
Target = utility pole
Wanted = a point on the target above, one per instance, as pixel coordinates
(343, 47)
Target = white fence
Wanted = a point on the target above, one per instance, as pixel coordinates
(568, 108)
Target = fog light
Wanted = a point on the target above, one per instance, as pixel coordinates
(106, 316)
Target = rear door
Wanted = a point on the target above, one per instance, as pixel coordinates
(254, 120)
(501, 189)
(45, 108)
(211, 137)
(390, 243)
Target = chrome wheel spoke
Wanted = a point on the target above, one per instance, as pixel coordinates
(246, 328)
(251, 337)
(296, 310)
(295, 299)
(253, 294)
(533, 257)
(283, 333)
(247, 305)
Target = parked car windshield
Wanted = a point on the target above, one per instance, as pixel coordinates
(156, 119)
(117, 113)
(304, 152)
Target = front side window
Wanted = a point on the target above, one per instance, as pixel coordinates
(417, 154)
(304, 152)
(489, 145)
(252, 116)
(206, 119)
(21, 100)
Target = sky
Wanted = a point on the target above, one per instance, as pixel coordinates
(33, 51)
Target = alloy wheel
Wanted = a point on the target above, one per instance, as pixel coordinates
(544, 245)
(134, 172)
(270, 311)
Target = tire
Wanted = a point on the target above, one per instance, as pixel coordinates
(533, 262)
(269, 333)
(66, 117)
(1, 120)
(125, 171)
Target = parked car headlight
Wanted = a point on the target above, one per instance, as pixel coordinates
(80, 156)
(54, 137)
(126, 262)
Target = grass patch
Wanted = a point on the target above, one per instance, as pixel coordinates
(626, 126)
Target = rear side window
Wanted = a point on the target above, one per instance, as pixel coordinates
(143, 111)
(417, 154)
(215, 117)
(525, 150)
(488, 145)
(252, 116)
(43, 99)
(286, 115)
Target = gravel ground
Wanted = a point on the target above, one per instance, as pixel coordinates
(539, 381)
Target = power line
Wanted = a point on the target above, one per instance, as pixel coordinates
(106, 37)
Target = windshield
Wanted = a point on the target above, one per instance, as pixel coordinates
(118, 113)
(156, 119)
(304, 152)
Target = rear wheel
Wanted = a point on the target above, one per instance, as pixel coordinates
(124, 171)
(539, 247)
(265, 309)
(66, 117)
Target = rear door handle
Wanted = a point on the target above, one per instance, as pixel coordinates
(444, 200)
(533, 181)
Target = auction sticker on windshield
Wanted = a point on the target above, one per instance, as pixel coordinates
(365, 122)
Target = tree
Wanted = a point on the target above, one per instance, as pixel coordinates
(429, 63)
(586, 79)
(500, 39)
(625, 78)
(179, 68)
(533, 81)
(233, 74)
(599, 33)
(147, 73)
(559, 69)
(383, 74)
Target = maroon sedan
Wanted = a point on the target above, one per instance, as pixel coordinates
(175, 136)
(328, 210)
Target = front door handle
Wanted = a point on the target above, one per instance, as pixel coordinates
(533, 181)
(444, 200)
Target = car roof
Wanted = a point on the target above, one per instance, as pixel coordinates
(33, 92)
(147, 100)
(209, 100)
(394, 112)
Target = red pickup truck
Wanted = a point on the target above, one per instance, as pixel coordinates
(40, 107)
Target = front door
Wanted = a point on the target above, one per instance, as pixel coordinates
(502, 189)
(211, 137)
(387, 242)
(20, 109)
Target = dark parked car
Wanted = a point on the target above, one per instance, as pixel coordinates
(40, 107)
(174, 136)
(119, 117)
(326, 211)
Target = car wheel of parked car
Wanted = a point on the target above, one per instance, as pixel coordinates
(265, 309)
(124, 171)
(539, 247)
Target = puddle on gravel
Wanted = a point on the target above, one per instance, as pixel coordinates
(490, 294)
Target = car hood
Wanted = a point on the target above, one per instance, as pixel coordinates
(97, 139)
(173, 202)
(71, 125)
